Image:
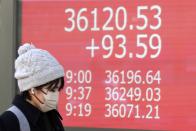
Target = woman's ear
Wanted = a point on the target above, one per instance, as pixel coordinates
(32, 91)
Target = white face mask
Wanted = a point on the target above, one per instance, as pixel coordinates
(51, 101)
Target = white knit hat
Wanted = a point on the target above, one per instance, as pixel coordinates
(35, 67)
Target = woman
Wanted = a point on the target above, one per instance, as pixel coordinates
(40, 77)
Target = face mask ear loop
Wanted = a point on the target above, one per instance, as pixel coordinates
(43, 92)
(33, 93)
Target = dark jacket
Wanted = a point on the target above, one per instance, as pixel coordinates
(38, 121)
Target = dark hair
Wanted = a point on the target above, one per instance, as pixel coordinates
(50, 86)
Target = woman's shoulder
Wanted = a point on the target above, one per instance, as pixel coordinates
(9, 122)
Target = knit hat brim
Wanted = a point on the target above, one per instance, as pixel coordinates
(41, 78)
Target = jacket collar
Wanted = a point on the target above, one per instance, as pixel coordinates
(31, 112)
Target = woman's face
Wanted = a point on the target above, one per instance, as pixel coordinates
(39, 95)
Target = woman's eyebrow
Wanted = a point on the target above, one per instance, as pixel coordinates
(50, 86)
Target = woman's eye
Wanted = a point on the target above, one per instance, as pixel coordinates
(52, 90)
